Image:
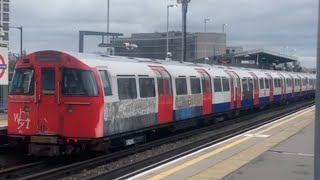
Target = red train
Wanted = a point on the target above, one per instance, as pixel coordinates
(61, 102)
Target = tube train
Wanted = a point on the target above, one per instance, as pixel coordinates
(59, 102)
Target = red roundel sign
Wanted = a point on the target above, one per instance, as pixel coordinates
(3, 66)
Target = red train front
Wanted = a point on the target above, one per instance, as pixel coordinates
(50, 91)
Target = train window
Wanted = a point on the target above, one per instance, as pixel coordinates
(225, 84)
(76, 82)
(203, 85)
(245, 85)
(277, 82)
(206, 85)
(266, 83)
(105, 82)
(22, 82)
(168, 86)
(250, 83)
(160, 87)
(195, 86)
(290, 82)
(48, 81)
(146, 86)
(217, 84)
(127, 88)
(181, 86)
(280, 82)
(261, 83)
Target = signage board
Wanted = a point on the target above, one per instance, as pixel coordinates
(4, 64)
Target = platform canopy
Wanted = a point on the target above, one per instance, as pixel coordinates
(262, 55)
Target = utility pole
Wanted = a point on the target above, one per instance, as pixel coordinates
(108, 17)
(317, 119)
(168, 6)
(184, 27)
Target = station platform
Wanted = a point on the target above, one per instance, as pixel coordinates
(279, 150)
(3, 121)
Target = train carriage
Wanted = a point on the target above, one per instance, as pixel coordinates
(188, 101)
(61, 101)
(221, 90)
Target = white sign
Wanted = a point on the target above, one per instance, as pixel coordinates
(4, 64)
(248, 61)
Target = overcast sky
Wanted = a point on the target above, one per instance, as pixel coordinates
(271, 24)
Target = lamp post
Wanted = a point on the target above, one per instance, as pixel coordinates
(205, 23)
(223, 27)
(108, 16)
(169, 6)
(205, 30)
(21, 38)
(184, 8)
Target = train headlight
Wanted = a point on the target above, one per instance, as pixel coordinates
(70, 110)
(26, 108)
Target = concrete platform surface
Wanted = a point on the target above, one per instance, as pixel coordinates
(279, 150)
(291, 159)
(3, 120)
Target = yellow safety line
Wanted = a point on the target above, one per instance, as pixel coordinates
(217, 151)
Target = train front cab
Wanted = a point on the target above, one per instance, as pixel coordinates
(49, 100)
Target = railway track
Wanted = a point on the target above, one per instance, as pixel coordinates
(222, 131)
(9, 173)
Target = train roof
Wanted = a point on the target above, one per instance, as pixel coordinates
(95, 60)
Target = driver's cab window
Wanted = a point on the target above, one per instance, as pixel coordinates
(47, 81)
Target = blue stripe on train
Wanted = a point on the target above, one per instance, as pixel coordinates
(264, 100)
(222, 107)
(246, 103)
(288, 96)
(187, 113)
(277, 98)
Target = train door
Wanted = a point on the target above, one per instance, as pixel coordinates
(232, 91)
(206, 91)
(255, 89)
(271, 95)
(238, 92)
(300, 84)
(283, 86)
(165, 97)
(47, 98)
(292, 85)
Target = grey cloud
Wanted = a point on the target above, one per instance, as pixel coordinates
(270, 24)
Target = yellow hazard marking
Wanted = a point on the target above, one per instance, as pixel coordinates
(219, 150)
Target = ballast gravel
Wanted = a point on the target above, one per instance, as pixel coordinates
(133, 159)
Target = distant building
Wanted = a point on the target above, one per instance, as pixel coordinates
(5, 18)
(234, 49)
(154, 45)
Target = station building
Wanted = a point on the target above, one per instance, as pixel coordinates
(5, 19)
(154, 45)
(257, 58)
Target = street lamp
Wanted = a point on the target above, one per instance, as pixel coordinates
(21, 38)
(168, 6)
(205, 23)
(223, 27)
(205, 30)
